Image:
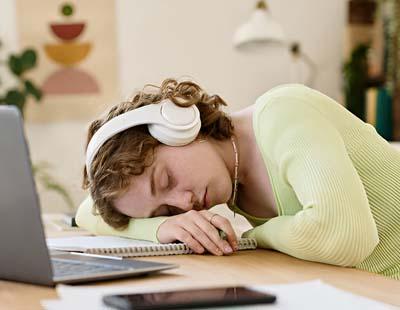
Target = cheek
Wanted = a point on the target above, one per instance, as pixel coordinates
(129, 204)
(220, 188)
(196, 165)
(121, 205)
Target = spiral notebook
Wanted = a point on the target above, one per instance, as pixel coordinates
(124, 247)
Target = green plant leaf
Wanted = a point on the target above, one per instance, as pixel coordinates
(15, 97)
(15, 64)
(28, 59)
(49, 183)
(30, 88)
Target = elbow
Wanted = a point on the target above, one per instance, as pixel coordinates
(84, 217)
(341, 246)
(362, 241)
(353, 248)
(79, 217)
(362, 246)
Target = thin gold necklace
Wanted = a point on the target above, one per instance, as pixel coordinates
(235, 179)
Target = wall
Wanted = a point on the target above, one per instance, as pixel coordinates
(8, 38)
(159, 38)
(180, 37)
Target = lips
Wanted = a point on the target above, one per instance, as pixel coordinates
(205, 200)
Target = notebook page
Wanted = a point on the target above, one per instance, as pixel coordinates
(82, 243)
(126, 247)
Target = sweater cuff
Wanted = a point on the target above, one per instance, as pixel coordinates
(145, 229)
(142, 229)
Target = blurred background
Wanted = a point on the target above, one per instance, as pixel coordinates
(63, 63)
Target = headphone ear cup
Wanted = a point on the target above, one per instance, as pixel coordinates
(179, 125)
(174, 137)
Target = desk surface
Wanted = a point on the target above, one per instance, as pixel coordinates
(246, 267)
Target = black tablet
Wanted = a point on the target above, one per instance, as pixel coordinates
(194, 298)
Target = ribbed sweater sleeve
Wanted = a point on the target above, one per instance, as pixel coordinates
(335, 225)
(144, 229)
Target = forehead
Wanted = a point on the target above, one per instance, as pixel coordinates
(137, 196)
(166, 153)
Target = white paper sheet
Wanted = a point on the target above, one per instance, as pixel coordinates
(305, 295)
(91, 242)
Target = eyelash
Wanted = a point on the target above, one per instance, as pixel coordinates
(169, 183)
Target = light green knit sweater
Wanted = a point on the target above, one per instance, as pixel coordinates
(336, 184)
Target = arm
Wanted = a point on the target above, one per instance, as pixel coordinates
(335, 225)
(144, 229)
(192, 228)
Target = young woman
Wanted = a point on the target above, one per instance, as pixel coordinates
(314, 181)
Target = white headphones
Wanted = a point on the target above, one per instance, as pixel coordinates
(167, 122)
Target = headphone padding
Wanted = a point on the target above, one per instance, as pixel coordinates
(173, 137)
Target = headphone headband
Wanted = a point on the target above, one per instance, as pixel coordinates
(167, 122)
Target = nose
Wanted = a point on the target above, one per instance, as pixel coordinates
(183, 200)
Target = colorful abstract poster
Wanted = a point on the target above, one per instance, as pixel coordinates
(76, 45)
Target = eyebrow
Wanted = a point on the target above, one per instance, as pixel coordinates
(152, 187)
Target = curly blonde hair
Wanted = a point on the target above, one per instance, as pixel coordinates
(128, 153)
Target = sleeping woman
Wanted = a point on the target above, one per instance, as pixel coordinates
(313, 180)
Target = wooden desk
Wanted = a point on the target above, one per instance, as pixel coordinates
(246, 267)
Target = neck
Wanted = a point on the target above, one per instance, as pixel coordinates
(243, 123)
(226, 151)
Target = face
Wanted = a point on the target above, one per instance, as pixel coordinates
(180, 179)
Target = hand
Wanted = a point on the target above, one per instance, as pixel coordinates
(199, 231)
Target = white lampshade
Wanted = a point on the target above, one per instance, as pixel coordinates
(260, 28)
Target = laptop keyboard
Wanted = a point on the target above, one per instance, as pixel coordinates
(64, 267)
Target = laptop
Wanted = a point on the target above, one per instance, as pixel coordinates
(24, 255)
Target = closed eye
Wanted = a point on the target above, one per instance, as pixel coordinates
(170, 181)
(165, 180)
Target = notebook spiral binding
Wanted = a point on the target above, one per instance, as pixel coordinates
(162, 249)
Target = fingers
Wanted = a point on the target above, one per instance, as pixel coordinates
(212, 233)
(171, 230)
(186, 237)
(194, 229)
(205, 238)
(223, 224)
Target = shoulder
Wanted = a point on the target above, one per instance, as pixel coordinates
(290, 114)
(283, 107)
(282, 94)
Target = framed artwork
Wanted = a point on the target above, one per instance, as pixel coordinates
(77, 63)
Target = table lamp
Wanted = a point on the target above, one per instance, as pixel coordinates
(262, 29)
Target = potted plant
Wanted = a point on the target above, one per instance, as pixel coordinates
(19, 65)
(355, 73)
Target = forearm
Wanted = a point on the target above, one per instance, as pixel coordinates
(345, 245)
(144, 229)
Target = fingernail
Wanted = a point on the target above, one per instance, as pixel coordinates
(219, 252)
(228, 249)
